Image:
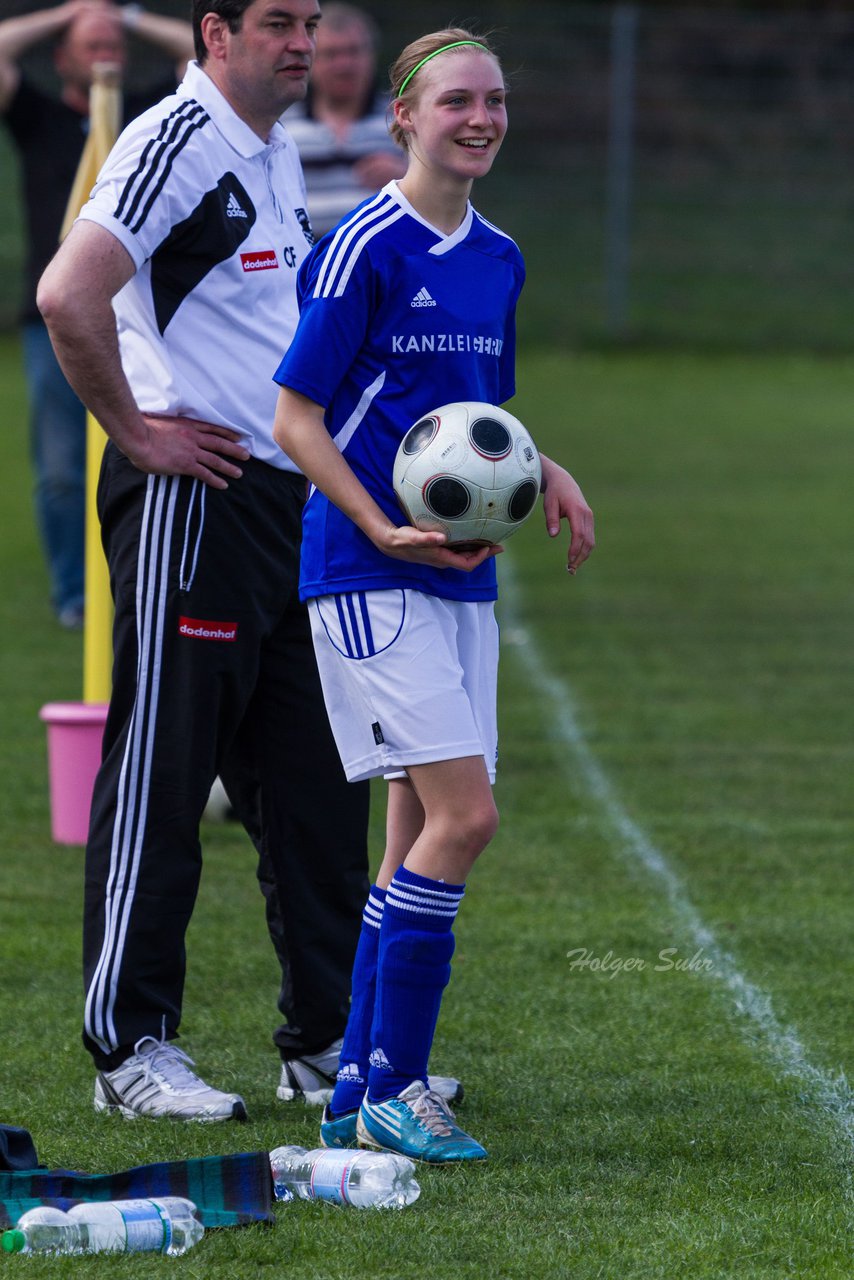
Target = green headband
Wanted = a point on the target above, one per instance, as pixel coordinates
(435, 54)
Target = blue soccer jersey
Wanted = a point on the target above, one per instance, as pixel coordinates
(397, 319)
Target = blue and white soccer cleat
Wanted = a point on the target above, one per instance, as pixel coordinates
(338, 1131)
(418, 1123)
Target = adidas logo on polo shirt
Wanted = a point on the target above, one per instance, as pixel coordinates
(423, 299)
(233, 208)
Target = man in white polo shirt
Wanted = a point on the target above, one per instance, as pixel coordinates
(169, 305)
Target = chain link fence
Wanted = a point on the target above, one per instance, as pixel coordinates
(673, 175)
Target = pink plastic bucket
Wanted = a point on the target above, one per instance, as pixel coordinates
(74, 734)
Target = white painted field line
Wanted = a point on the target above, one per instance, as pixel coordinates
(832, 1094)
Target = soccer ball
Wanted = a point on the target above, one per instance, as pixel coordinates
(470, 470)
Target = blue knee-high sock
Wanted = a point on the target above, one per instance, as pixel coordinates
(352, 1078)
(413, 969)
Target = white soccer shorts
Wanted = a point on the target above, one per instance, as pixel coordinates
(408, 678)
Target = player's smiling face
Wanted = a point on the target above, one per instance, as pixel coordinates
(458, 118)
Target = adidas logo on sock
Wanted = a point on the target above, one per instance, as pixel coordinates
(379, 1060)
(423, 299)
(233, 208)
(350, 1071)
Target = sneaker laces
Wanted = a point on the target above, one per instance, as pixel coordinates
(433, 1112)
(170, 1063)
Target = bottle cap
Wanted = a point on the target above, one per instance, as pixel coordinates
(14, 1241)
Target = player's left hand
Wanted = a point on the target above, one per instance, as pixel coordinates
(563, 500)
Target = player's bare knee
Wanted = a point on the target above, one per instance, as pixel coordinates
(464, 834)
(479, 826)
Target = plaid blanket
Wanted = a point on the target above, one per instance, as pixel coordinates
(229, 1191)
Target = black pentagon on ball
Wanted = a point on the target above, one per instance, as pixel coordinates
(419, 436)
(490, 437)
(521, 503)
(447, 497)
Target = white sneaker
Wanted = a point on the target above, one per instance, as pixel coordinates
(311, 1079)
(446, 1087)
(157, 1081)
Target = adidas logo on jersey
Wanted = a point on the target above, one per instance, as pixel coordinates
(350, 1071)
(233, 208)
(423, 299)
(379, 1060)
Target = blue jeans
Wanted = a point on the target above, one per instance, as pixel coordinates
(58, 452)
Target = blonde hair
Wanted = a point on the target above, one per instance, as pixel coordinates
(404, 81)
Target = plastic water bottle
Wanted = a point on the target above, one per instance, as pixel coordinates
(165, 1225)
(43, 1230)
(366, 1179)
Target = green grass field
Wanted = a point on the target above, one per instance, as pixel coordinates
(677, 730)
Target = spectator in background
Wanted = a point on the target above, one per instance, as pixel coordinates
(341, 130)
(48, 132)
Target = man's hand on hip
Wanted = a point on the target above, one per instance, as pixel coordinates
(186, 447)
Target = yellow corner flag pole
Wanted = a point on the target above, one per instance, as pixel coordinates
(104, 118)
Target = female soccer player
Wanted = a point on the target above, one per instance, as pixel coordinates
(409, 303)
